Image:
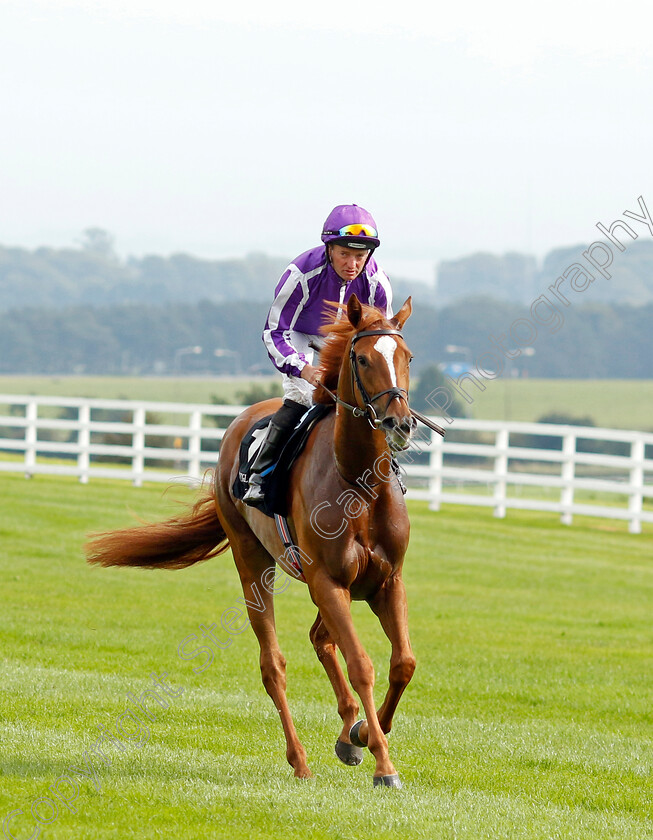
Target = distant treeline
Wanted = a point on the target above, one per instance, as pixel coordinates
(517, 277)
(92, 274)
(84, 310)
(595, 340)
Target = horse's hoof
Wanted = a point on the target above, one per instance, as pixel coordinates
(348, 753)
(353, 734)
(392, 781)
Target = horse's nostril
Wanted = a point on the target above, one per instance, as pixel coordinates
(404, 427)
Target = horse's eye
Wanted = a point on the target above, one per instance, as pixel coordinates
(411, 359)
(362, 361)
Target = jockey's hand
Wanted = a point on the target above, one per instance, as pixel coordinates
(311, 374)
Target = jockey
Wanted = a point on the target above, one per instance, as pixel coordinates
(344, 265)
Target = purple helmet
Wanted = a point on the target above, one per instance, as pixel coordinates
(351, 225)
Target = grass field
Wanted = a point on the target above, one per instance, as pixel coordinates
(159, 389)
(530, 714)
(621, 404)
(612, 403)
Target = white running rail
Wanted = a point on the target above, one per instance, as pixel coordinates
(502, 465)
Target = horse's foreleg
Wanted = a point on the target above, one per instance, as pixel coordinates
(326, 651)
(333, 602)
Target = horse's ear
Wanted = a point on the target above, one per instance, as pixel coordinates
(403, 315)
(354, 310)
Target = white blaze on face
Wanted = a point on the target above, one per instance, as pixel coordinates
(386, 346)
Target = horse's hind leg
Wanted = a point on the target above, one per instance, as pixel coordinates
(326, 651)
(255, 567)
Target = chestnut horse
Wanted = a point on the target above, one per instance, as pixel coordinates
(347, 515)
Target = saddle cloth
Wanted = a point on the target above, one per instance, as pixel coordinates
(276, 482)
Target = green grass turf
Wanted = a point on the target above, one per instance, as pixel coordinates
(529, 716)
(611, 403)
(621, 404)
(158, 389)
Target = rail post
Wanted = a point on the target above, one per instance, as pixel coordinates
(195, 444)
(138, 446)
(635, 499)
(84, 442)
(567, 475)
(31, 418)
(435, 472)
(500, 473)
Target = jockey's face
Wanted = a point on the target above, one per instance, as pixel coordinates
(347, 262)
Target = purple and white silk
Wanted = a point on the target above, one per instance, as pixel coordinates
(296, 314)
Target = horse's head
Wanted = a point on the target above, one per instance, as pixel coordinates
(379, 359)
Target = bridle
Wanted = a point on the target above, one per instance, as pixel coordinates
(369, 412)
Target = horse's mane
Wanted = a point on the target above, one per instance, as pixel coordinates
(338, 334)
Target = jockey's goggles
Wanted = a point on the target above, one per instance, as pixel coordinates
(353, 230)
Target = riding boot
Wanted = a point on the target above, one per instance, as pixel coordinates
(278, 431)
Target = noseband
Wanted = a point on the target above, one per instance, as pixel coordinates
(369, 411)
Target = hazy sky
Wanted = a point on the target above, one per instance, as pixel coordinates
(221, 128)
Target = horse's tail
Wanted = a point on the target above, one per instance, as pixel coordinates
(174, 544)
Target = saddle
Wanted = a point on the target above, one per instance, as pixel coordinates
(276, 482)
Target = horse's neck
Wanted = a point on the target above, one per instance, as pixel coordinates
(361, 452)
